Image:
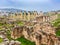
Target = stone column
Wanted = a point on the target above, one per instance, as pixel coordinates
(48, 19)
(37, 38)
(41, 13)
(56, 41)
(25, 15)
(29, 16)
(44, 18)
(21, 15)
(32, 16)
(35, 13)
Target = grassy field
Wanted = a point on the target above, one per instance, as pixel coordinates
(57, 25)
(56, 22)
(25, 41)
(1, 40)
(58, 32)
(20, 23)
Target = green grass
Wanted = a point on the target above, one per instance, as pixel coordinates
(25, 41)
(1, 24)
(58, 15)
(1, 40)
(57, 25)
(58, 33)
(56, 22)
(9, 34)
(20, 23)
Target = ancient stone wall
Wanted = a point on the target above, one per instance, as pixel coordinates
(40, 33)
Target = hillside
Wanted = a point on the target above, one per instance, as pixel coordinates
(10, 10)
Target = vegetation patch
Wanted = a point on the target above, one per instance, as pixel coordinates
(58, 32)
(1, 40)
(25, 41)
(20, 23)
(57, 25)
(8, 34)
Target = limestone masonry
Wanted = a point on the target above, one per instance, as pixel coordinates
(37, 28)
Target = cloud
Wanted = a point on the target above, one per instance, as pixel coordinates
(31, 4)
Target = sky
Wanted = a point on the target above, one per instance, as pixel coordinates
(31, 5)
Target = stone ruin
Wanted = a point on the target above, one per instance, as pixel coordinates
(30, 15)
(12, 42)
(40, 33)
(16, 32)
(38, 30)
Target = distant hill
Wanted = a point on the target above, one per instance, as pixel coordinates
(58, 11)
(11, 10)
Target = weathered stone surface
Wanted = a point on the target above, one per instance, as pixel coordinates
(41, 31)
(16, 32)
